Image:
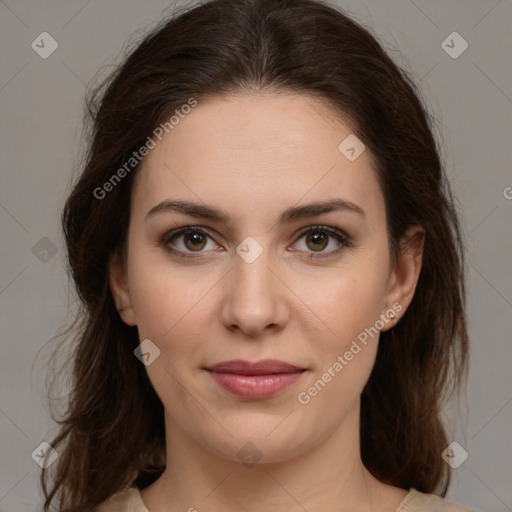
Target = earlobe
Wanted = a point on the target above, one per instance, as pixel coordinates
(120, 292)
(404, 277)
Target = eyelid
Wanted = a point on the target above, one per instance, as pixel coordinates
(327, 229)
(341, 237)
(174, 233)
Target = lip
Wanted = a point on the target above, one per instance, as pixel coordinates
(255, 380)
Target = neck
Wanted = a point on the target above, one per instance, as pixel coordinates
(325, 477)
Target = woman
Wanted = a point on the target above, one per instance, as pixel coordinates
(272, 276)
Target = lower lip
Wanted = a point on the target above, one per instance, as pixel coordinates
(255, 386)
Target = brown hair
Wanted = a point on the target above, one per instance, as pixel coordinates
(112, 433)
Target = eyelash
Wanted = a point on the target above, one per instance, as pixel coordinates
(340, 236)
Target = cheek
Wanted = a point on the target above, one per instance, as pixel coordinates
(350, 307)
(164, 299)
(171, 311)
(345, 302)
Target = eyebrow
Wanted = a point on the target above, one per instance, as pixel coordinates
(203, 211)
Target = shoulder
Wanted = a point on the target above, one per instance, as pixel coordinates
(127, 500)
(417, 501)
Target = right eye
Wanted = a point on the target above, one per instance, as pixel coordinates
(193, 239)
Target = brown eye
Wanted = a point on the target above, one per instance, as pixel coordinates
(317, 241)
(186, 241)
(326, 242)
(194, 241)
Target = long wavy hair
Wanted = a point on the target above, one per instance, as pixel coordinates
(112, 433)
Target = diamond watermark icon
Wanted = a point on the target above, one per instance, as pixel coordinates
(454, 45)
(351, 147)
(454, 455)
(147, 352)
(249, 249)
(249, 454)
(44, 455)
(44, 250)
(44, 45)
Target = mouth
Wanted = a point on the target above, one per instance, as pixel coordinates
(255, 380)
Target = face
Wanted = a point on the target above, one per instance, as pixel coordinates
(258, 270)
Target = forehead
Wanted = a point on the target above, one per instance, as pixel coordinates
(262, 149)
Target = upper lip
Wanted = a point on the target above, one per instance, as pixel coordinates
(263, 367)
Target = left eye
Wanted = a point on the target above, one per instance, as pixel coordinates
(318, 238)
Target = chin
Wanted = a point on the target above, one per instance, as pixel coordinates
(251, 444)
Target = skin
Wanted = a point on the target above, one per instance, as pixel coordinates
(252, 155)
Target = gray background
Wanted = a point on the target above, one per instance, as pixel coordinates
(41, 107)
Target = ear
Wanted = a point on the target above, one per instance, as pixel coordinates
(404, 276)
(120, 291)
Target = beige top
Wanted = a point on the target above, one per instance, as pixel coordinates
(130, 500)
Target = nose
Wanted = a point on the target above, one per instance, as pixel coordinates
(254, 298)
